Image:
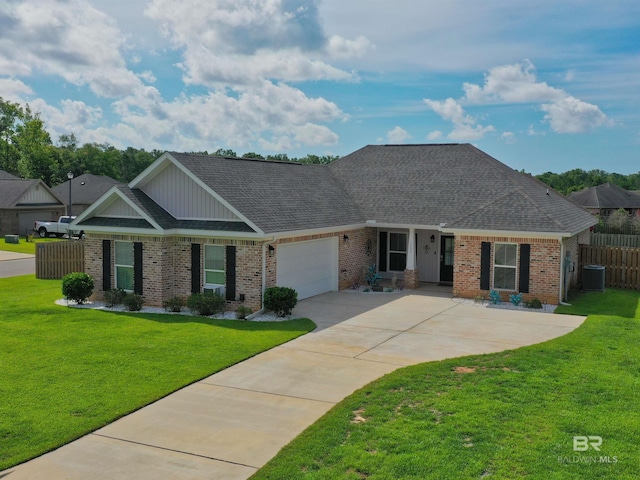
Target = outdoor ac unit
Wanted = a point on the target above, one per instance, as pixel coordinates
(211, 290)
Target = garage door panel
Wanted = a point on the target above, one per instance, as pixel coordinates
(311, 268)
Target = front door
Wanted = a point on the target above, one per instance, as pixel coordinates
(446, 260)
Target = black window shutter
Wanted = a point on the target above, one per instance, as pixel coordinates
(230, 273)
(525, 255)
(137, 268)
(196, 275)
(485, 266)
(382, 247)
(106, 265)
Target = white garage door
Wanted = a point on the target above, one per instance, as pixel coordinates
(311, 268)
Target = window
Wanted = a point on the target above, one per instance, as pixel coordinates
(214, 265)
(504, 266)
(397, 251)
(124, 265)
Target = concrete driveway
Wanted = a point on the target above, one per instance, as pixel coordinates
(231, 423)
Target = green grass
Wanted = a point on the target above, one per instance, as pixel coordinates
(24, 246)
(514, 415)
(66, 372)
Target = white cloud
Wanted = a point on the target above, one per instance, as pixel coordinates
(511, 84)
(398, 135)
(69, 39)
(243, 42)
(570, 115)
(13, 89)
(464, 125)
(516, 84)
(508, 137)
(434, 135)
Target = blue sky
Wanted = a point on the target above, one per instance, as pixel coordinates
(540, 85)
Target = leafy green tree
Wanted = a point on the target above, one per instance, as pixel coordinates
(11, 117)
(38, 157)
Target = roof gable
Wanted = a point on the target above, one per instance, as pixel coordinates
(20, 193)
(275, 196)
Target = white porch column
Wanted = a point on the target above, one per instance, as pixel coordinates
(411, 250)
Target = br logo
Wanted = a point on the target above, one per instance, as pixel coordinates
(582, 443)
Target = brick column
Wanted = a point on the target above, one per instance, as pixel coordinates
(411, 279)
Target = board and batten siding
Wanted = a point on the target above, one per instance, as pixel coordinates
(183, 198)
(119, 208)
(38, 195)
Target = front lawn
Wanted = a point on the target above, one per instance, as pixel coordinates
(66, 372)
(24, 246)
(506, 415)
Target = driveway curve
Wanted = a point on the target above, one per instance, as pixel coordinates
(230, 424)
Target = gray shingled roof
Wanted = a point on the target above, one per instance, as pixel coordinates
(7, 176)
(163, 218)
(276, 196)
(85, 188)
(11, 190)
(454, 184)
(606, 195)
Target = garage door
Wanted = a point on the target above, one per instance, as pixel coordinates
(311, 268)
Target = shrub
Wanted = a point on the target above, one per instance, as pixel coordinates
(495, 297)
(206, 305)
(115, 296)
(77, 286)
(515, 299)
(372, 277)
(133, 302)
(242, 312)
(174, 304)
(280, 300)
(533, 303)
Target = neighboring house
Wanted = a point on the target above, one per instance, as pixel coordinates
(433, 213)
(605, 199)
(85, 189)
(22, 202)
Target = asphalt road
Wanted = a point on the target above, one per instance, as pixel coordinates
(13, 265)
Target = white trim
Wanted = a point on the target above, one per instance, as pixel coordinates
(116, 265)
(315, 231)
(505, 233)
(514, 267)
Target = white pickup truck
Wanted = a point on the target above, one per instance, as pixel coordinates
(59, 228)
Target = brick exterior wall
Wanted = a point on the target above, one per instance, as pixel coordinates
(544, 267)
(167, 263)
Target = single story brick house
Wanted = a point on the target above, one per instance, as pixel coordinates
(446, 213)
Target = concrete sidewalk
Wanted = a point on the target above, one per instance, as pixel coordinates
(230, 424)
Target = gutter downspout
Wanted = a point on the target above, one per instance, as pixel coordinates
(264, 277)
(562, 276)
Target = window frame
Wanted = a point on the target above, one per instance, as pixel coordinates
(397, 252)
(513, 267)
(205, 270)
(118, 265)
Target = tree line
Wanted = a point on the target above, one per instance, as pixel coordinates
(27, 150)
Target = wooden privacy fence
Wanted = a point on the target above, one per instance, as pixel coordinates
(54, 260)
(622, 265)
(615, 240)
